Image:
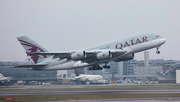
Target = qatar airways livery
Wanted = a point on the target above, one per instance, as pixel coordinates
(122, 49)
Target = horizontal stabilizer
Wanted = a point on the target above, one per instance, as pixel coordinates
(34, 65)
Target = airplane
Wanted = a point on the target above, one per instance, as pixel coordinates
(84, 77)
(118, 50)
(4, 79)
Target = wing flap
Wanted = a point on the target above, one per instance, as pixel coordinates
(67, 54)
(56, 54)
(52, 53)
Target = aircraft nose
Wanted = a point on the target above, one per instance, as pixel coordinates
(163, 40)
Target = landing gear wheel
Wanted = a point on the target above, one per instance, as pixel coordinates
(106, 66)
(95, 67)
(158, 52)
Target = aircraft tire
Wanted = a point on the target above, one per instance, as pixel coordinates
(158, 52)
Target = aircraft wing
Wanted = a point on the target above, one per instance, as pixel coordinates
(34, 65)
(56, 54)
(52, 53)
(115, 52)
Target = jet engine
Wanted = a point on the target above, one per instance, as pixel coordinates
(104, 55)
(126, 58)
(78, 55)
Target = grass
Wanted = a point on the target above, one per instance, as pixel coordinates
(86, 97)
(90, 88)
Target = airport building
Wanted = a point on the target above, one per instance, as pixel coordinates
(119, 70)
(128, 66)
(147, 70)
(146, 58)
(133, 69)
(178, 76)
(19, 74)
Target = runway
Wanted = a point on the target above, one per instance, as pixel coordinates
(161, 99)
(92, 90)
(59, 86)
(101, 92)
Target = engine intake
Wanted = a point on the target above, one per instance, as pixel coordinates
(104, 55)
(78, 55)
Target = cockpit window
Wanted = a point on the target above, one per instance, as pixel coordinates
(157, 36)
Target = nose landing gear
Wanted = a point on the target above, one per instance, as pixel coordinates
(157, 48)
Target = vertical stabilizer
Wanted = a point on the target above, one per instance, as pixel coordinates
(76, 72)
(30, 46)
(1, 76)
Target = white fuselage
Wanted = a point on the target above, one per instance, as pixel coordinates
(88, 77)
(131, 44)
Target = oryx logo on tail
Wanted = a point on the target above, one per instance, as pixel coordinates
(31, 47)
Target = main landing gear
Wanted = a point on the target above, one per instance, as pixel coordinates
(106, 66)
(157, 48)
(97, 67)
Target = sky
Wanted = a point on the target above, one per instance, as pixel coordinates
(61, 25)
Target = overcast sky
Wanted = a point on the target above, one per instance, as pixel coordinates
(60, 25)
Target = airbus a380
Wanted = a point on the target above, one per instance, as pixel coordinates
(118, 50)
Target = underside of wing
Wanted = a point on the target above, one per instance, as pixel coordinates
(52, 53)
(86, 56)
(56, 54)
(32, 66)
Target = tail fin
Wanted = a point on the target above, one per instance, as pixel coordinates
(1, 75)
(76, 72)
(30, 46)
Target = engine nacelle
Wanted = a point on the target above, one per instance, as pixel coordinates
(104, 55)
(126, 58)
(78, 55)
